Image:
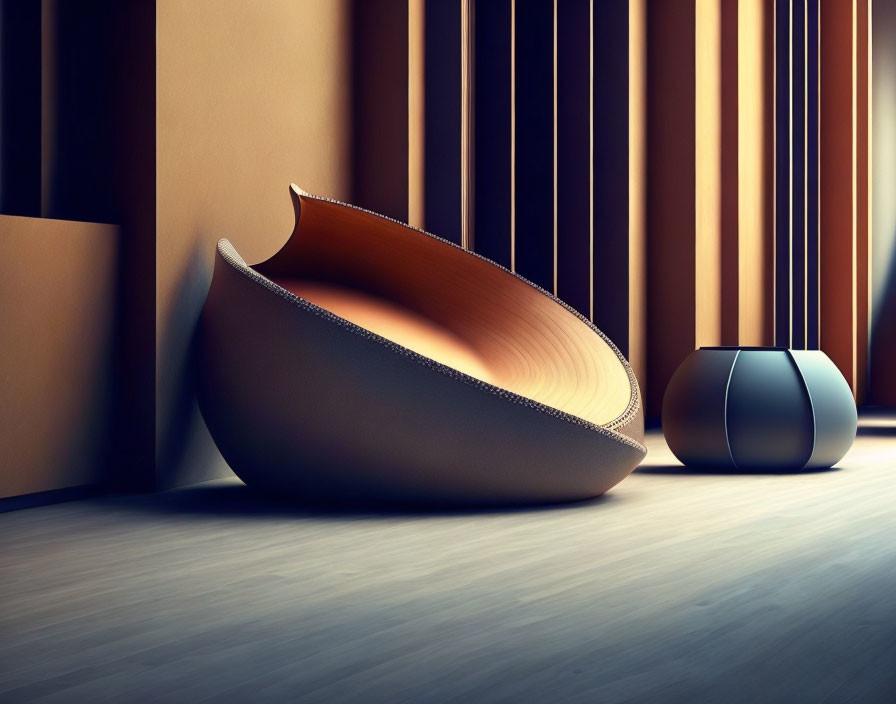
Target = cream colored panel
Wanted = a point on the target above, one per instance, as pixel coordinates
(57, 304)
(708, 193)
(754, 171)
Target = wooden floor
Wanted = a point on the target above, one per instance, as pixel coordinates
(676, 587)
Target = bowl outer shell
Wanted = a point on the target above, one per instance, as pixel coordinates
(833, 407)
(693, 413)
(298, 401)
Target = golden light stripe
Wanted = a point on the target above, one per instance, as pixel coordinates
(707, 173)
(752, 199)
(466, 173)
(774, 258)
(416, 113)
(513, 135)
(637, 190)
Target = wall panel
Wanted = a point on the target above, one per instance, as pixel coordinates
(416, 112)
(612, 132)
(573, 157)
(813, 92)
(881, 379)
(286, 115)
(783, 172)
(671, 205)
(755, 173)
(379, 82)
(708, 173)
(85, 50)
(711, 180)
(636, 344)
(797, 122)
(729, 165)
(78, 143)
(492, 130)
(534, 143)
(20, 101)
(57, 304)
(843, 193)
(442, 120)
(863, 193)
(798, 119)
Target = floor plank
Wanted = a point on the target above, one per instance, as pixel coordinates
(675, 587)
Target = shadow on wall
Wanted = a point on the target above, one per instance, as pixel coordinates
(882, 386)
(379, 93)
(882, 338)
(77, 142)
(185, 452)
(86, 134)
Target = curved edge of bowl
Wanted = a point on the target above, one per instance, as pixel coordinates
(632, 420)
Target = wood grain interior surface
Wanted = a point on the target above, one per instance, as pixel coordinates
(458, 309)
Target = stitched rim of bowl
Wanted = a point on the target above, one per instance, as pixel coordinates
(229, 253)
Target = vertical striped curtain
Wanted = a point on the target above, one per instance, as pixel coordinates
(683, 172)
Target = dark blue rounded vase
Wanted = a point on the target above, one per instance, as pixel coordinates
(759, 408)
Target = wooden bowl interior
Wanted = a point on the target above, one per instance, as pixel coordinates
(450, 306)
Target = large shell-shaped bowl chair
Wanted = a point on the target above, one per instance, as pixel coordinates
(368, 360)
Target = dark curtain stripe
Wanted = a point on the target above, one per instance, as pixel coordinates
(812, 205)
(782, 174)
(20, 97)
(798, 188)
(84, 174)
(729, 168)
(535, 141)
(671, 204)
(492, 111)
(611, 171)
(573, 158)
(442, 197)
(379, 97)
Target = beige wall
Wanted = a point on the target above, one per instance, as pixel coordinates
(57, 303)
(250, 97)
